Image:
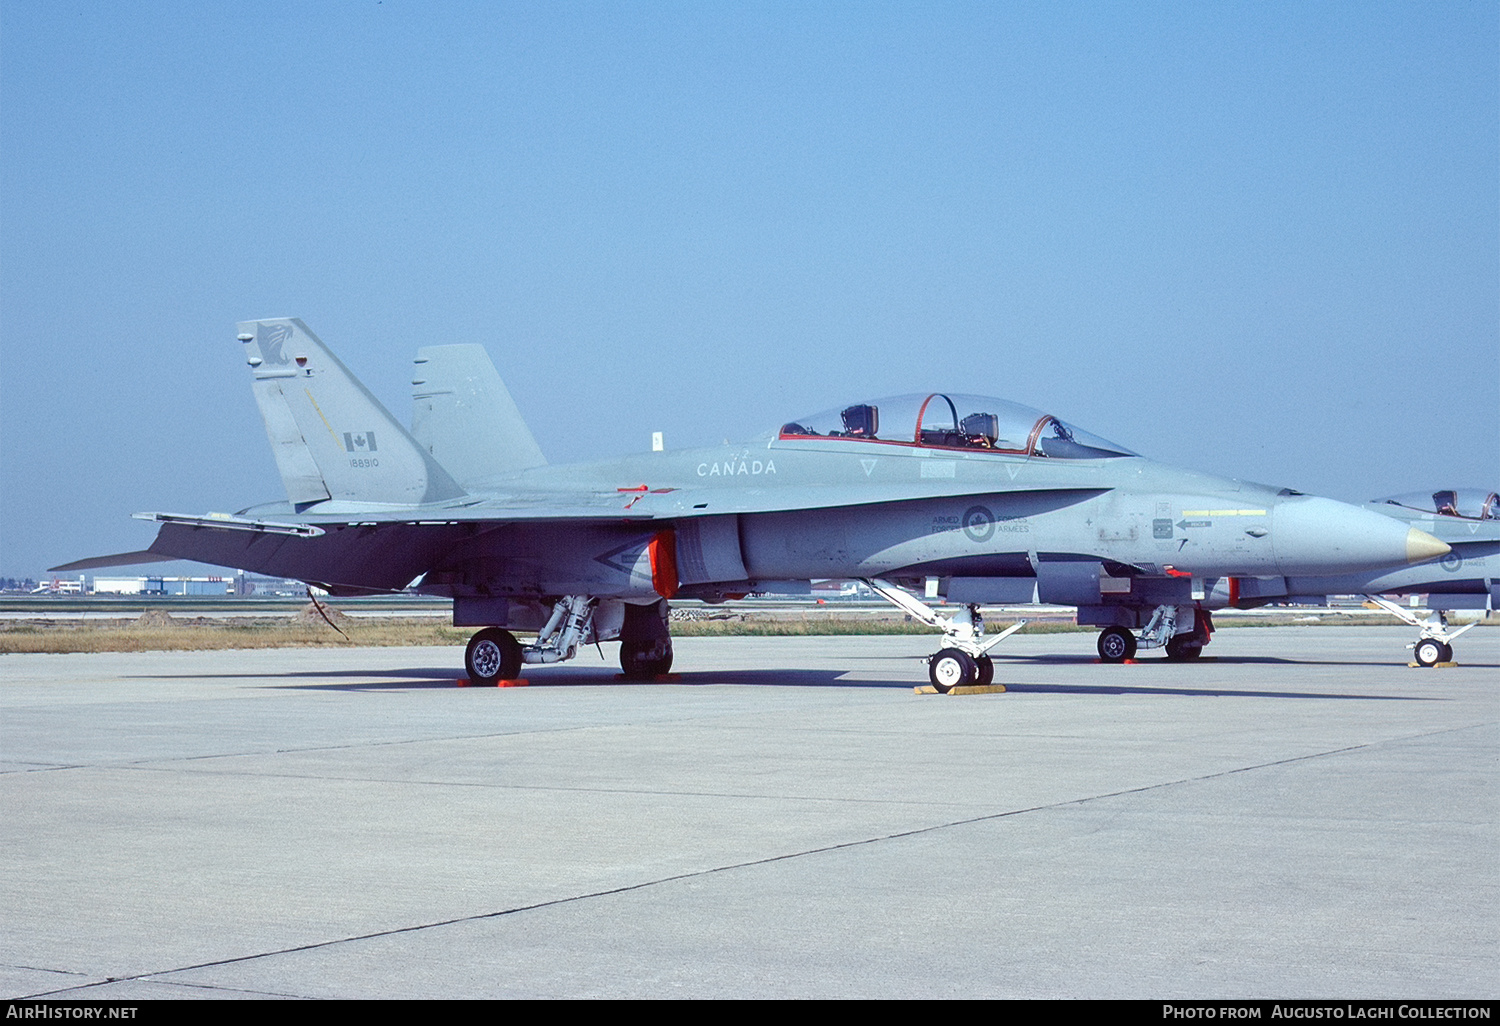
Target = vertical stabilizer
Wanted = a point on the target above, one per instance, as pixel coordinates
(463, 415)
(331, 437)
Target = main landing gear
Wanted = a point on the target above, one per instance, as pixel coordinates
(963, 659)
(1435, 642)
(1117, 644)
(493, 654)
(645, 642)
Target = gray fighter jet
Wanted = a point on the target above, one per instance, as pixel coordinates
(1467, 578)
(994, 501)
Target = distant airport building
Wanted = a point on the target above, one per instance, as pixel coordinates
(119, 585)
(165, 586)
(239, 584)
(60, 586)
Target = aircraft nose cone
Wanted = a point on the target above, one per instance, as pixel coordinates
(1422, 546)
(1320, 536)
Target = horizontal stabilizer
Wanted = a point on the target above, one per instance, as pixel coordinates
(217, 521)
(121, 559)
(384, 557)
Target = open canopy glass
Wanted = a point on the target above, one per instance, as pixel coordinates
(938, 420)
(1465, 503)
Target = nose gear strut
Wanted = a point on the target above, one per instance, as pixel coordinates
(1435, 642)
(963, 659)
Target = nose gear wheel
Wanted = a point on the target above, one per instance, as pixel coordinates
(951, 668)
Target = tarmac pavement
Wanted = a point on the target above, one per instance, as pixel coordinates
(1298, 814)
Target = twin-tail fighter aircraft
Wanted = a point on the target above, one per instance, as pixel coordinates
(996, 501)
(1467, 578)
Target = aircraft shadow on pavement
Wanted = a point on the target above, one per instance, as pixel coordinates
(438, 678)
(554, 677)
(1188, 664)
(1111, 689)
(369, 680)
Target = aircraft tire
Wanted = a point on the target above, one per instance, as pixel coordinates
(1429, 652)
(1447, 653)
(986, 674)
(645, 660)
(951, 668)
(1116, 645)
(1184, 646)
(492, 655)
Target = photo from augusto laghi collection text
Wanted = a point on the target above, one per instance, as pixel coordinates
(1327, 1010)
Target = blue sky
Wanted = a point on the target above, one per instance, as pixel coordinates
(1261, 240)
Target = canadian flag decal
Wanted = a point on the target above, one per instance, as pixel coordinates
(364, 441)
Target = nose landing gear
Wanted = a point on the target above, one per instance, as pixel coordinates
(964, 659)
(1431, 651)
(1435, 642)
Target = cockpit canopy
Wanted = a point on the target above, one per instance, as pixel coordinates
(1464, 503)
(949, 421)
